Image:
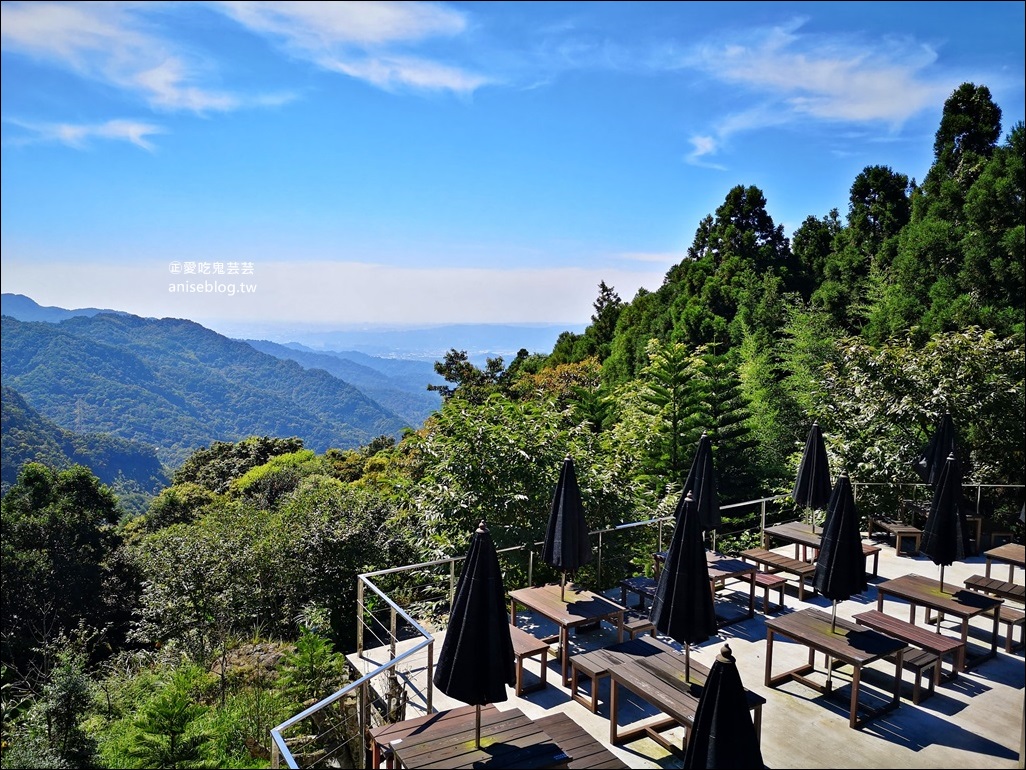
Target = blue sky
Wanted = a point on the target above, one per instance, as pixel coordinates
(424, 163)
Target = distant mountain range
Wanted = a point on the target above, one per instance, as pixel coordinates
(178, 386)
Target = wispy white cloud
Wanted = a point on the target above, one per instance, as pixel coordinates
(78, 135)
(829, 77)
(110, 43)
(703, 147)
(364, 40)
(793, 77)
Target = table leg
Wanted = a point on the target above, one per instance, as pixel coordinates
(613, 707)
(769, 654)
(994, 633)
(564, 650)
(856, 676)
(751, 597)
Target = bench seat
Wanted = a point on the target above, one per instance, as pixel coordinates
(775, 562)
(899, 531)
(1012, 618)
(1000, 588)
(923, 638)
(767, 581)
(526, 645)
(920, 663)
(595, 665)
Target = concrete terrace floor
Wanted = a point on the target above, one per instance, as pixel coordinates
(973, 721)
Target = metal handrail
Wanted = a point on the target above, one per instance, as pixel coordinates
(279, 748)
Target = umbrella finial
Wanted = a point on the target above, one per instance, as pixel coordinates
(482, 528)
(725, 655)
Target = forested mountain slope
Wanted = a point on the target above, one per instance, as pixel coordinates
(178, 386)
(27, 436)
(406, 394)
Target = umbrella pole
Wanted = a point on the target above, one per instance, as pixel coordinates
(477, 727)
(687, 664)
(942, 578)
(829, 660)
(562, 588)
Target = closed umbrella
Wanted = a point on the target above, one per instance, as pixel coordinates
(840, 565)
(682, 607)
(946, 533)
(476, 661)
(723, 735)
(567, 545)
(812, 485)
(943, 442)
(701, 482)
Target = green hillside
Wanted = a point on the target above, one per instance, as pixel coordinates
(406, 393)
(27, 436)
(179, 386)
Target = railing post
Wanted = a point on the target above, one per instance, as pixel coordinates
(430, 675)
(363, 710)
(359, 616)
(530, 569)
(452, 581)
(598, 578)
(275, 756)
(391, 643)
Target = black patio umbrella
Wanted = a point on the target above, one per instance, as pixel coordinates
(943, 442)
(567, 545)
(476, 661)
(812, 485)
(682, 607)
(840, 565)
(722, 734)
(701, 482)
(946, 532)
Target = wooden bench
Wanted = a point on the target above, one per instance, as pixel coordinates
(585, 752)
(527, 646)
(1012, 618)
(635, 623)
(1000, 588)
(775, 562)
(644, 587)
(768, 581)
(921, 663)
(898, 531)
(938, 645)
(595, 665)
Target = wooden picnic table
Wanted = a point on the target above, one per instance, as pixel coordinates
(843, 640)
(660, 681)
(721, 569)
(921, 591)
(801, 534)
(1012, 554)
(508, 739)
(578, 608)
